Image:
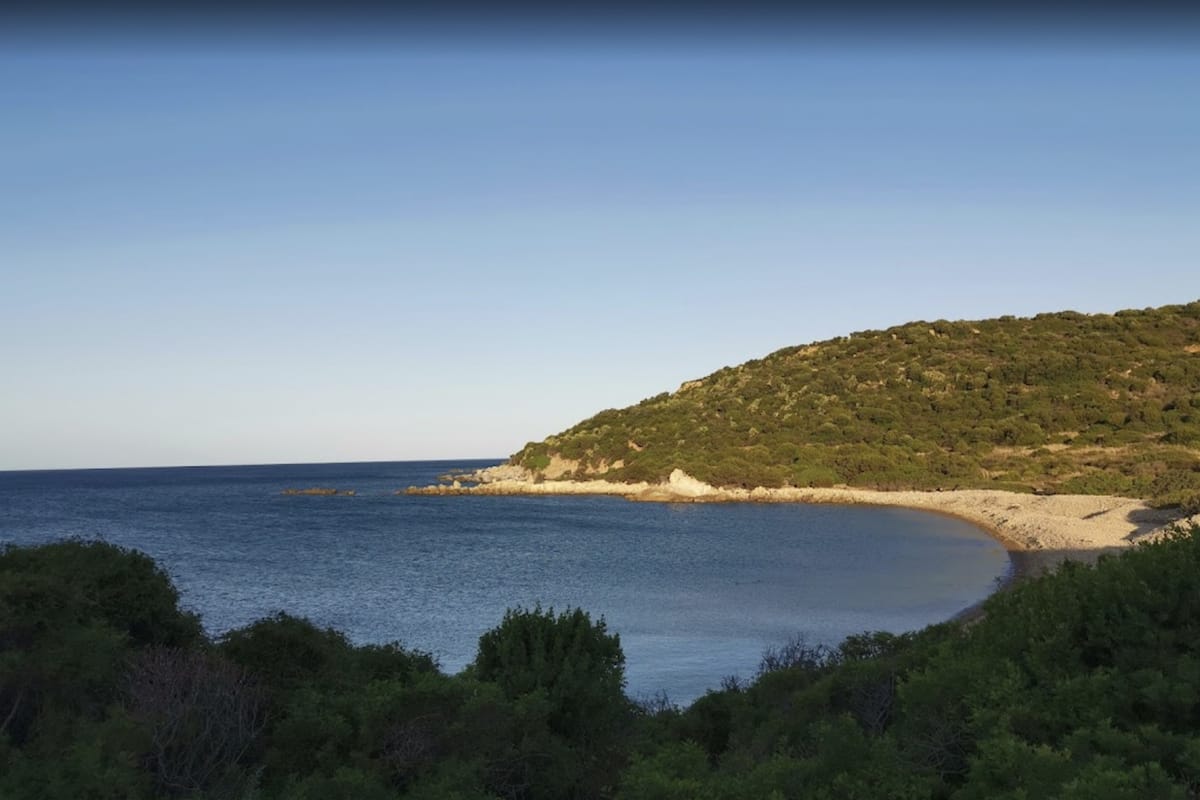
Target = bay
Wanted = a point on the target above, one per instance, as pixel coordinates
(695, 591)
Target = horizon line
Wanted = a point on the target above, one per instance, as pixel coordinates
(266, 464)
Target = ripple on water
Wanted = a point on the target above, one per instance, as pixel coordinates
(696, 591)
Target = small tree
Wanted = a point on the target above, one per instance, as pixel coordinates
(570, 672)
(575, 662)
(69, 613)
(286, 652)
(202, 712)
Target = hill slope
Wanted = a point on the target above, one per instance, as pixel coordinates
(1061, 402)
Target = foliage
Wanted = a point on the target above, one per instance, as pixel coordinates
(1084, 683)
(72, 614)
(1081, 684)
(570, 672)
(575, 663)
(96, 582)
(202, 713)
(1061, 402)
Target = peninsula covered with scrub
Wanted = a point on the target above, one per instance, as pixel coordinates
(1060, 403)
(1065, 435)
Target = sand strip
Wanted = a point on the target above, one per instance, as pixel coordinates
(1039, 531)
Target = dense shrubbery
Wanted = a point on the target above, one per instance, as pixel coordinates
(1061, 402)
(1081, 684)
(108, 689)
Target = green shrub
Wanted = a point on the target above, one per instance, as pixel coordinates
(815, 476)
(81, 582)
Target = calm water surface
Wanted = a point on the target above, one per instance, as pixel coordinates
(695, 591)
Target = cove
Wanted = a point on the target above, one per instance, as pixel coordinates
(696, 591)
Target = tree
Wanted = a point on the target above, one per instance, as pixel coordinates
(203, 713)
(576, 662)
(568, 672)
(69, 612)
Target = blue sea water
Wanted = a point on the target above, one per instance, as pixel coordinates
(695, 591)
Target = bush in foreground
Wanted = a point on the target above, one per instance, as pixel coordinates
(1080, 684)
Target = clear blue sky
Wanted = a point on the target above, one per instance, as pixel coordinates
(444, 248)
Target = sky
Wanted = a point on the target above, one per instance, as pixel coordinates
(244, 249)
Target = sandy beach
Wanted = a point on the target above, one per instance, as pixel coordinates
(1039, 531)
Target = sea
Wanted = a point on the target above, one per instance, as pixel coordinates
(696, 592)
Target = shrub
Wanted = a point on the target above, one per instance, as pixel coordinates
(575, 662)
(93, 582)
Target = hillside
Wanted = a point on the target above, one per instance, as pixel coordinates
(1062, 402)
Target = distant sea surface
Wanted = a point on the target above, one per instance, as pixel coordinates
(695, 591)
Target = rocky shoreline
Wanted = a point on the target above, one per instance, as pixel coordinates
(1039, 531)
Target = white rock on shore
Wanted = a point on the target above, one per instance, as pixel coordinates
(500, 472)
(685, 485)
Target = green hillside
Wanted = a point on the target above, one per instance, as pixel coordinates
(1062, 402)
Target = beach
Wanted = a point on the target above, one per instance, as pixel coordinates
(1039, 531)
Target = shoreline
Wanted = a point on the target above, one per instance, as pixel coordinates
(1038, 531)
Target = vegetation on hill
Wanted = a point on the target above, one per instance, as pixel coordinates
(1081, 684)
(1064, 402)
